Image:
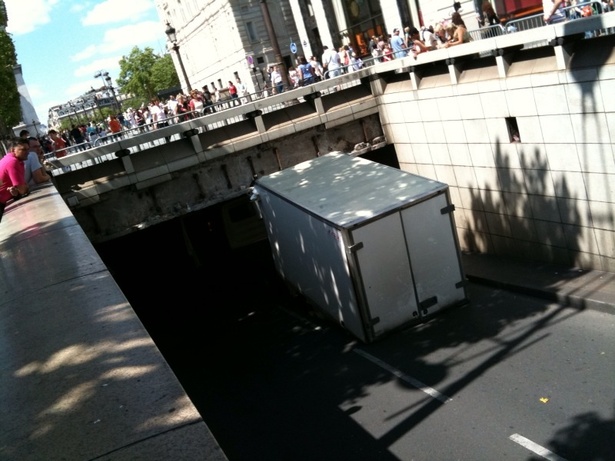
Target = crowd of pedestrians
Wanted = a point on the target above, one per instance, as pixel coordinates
(331, 62)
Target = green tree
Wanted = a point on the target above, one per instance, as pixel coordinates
(10, 104)
(143, 73)
(164, 73)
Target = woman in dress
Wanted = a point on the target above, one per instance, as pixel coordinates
(461, 34)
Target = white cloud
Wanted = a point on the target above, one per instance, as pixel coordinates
(24, 16)
(84, 54)
(123, 39)
(117, 11)
(78, 88)
(132, 35)
(109, 64)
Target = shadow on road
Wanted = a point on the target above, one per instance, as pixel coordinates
(271, 378)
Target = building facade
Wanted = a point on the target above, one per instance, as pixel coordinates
(29, 118)
(219, 41)
(222, 40)
(82, 109)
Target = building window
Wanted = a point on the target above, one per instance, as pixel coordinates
(310, 8)
(251, 31)
(513, 129)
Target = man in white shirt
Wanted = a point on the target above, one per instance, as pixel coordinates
(155, 111)
(553, 11)
(397, 44)
(172, 107)
(428, 37)
(276, 80)
(331, 62)
(242, 90)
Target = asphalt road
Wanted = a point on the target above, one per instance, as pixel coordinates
(507, 377)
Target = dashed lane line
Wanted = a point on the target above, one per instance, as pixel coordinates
(404, 377)
(535, 448)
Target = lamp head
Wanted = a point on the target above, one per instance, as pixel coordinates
(170, 31)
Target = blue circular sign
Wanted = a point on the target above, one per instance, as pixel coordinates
(293, 48)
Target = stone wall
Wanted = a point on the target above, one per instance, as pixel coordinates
(529, 157)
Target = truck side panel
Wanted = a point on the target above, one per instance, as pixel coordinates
(310, 255)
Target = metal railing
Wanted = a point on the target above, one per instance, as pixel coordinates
(222, 113)
(487, 32)
(537, 20)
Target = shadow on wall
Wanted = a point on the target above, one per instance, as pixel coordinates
(529, 220)
(585, 430)
(592, 131)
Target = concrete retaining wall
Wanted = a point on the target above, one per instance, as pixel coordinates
(550, 195)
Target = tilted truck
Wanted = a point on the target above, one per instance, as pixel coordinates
(373, 247)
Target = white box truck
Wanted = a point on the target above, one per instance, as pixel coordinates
(372, 246)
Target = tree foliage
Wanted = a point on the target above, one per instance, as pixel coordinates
(164, 73)
(10, 103)
(143, 73)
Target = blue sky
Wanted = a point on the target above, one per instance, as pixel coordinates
(61, 44)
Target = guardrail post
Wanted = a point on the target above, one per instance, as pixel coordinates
(416, 74)
(454, 70)
(193, 135)
(127, 162)
(503, 60)
(564, 49)
(256, 116)
(315, 100)
(377, 85)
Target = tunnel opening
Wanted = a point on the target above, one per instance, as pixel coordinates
(193, 279)
(222, 317)
(186, 278)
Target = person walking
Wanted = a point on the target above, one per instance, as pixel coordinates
(276, 80)
(397, 45)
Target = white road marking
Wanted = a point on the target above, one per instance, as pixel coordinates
(410, 380)
(534, 447)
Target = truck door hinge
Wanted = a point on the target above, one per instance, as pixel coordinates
(461, 284)
(447, 209)
(427, 303)
(356, 247)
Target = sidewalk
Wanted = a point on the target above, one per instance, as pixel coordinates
(80, 376)
(582, 289)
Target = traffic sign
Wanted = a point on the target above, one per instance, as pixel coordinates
(293, 48)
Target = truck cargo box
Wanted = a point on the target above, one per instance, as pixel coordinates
(372, 246)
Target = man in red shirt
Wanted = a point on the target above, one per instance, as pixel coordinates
(114, 125)
(12, 174)
(59, 145)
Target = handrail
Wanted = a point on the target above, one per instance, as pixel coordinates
(533, 21)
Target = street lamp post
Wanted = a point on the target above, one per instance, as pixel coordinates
(170, 31)
(108, 84)
(274, 42)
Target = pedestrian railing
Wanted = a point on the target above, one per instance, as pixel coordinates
(487, 32)
(537, 20)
